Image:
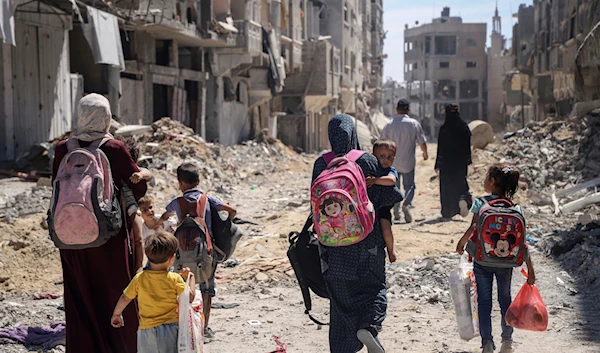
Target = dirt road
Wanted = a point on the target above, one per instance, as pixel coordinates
(265, 289)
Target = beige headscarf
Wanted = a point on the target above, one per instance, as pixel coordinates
(94, 118)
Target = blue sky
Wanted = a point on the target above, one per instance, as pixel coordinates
(397, 13)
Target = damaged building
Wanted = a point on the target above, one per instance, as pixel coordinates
(229, 69)
(555, 47)
(451, 55)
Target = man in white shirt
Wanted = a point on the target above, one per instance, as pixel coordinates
(406, 133)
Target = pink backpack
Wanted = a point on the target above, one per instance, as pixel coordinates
(342, 212)
(85, 210)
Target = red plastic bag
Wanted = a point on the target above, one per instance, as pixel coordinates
(528, 311)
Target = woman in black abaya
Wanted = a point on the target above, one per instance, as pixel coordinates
(453, 159)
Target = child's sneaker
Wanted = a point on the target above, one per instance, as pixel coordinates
(506, 347)
(464, 208)
(371, 342)
(488, 347)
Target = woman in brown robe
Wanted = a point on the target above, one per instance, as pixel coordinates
(94, 278)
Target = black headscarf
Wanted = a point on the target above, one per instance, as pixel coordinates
(454, 141)
(454, 122)
(342, 134)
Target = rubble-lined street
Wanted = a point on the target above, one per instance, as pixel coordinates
(268, 183)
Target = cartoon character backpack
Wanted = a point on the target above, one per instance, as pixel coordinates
(85, 211)
(195, 243)
(500, 239)
(343, 214)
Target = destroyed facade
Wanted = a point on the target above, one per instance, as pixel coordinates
(229, 69)
(452, 56)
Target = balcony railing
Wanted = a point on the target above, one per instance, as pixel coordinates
(250, 37)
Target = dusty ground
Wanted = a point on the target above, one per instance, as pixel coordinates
(266, 290)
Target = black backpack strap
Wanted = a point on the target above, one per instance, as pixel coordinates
(315, 320)
(308, 224)
(295, 262)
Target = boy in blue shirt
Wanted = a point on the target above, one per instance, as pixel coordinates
(385, 151)
(188, 177)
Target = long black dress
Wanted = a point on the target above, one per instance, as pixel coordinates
(355, 274)
(453, 159)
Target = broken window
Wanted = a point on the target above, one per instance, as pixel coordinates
(471, 64)
(445, 89)
(128, 45)
(427, 45)
(469, 89)
(345, 13)
(161, 101)
(471, 42)
(191, 15)
(415, 66)
(469, 111)
(444, 65)
(162, 52)
(445, 45)
(238, 93)
(228, 91)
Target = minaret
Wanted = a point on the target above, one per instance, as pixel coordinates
(497, 22)
(498, 40)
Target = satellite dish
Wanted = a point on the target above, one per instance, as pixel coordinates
(417, 23)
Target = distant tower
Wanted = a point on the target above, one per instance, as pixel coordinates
(497, 27)
(498, 41)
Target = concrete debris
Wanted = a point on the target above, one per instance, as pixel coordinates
(171, 143)
(571, 191)
(553, 155)
(578, 250)
(163, 147)
(30, 202)
(583, 108)
(581, 203)
(482, 134)
(133, 130)
(424, 280)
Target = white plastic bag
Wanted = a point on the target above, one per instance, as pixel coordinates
(464, 295)
(191, 322)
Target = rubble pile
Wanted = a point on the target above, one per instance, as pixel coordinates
(171, 143)
(30, 202)
(424, 279)
(555, 153)
(578, 250)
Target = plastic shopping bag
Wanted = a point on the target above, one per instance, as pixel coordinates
(464, 295)
(528, 311)
(191, 322)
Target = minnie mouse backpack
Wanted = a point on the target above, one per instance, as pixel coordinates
(500, 238)
(342, 212)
